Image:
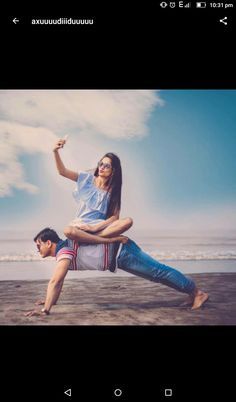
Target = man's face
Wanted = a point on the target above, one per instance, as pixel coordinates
(44, 248)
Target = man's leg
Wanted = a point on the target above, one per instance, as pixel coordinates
(133, 260)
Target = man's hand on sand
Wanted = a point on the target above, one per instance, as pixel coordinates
(34, 313)
(39, 302)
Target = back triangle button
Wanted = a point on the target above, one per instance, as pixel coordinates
(68, 392)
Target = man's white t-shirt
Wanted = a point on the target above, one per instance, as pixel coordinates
(87, 256)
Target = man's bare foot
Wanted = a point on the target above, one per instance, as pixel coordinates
(120, 239)
(199, 298)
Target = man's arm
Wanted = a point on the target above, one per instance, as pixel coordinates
(56, 283)
(54, 287)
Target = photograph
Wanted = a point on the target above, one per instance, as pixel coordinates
(117, 207)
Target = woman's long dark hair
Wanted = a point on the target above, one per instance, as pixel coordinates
(114, 184)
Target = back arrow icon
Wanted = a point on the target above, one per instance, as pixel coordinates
(15, 20)
(68, 392)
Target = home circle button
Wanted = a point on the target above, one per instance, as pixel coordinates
(117, 392)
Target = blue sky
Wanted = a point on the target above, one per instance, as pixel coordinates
(177, 150)
(192, 148)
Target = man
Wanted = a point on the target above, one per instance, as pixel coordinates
(118, 252)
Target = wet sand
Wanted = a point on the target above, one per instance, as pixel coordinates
(120, 301)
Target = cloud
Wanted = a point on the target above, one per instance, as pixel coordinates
(31, 121)
(112, 113)
(15, 140)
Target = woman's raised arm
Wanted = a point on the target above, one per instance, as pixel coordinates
(62, 170)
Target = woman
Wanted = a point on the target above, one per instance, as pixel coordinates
(98, 196)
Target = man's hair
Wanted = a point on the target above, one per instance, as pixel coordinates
(47, 234)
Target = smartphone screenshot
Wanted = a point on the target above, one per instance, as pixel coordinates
(118, 202)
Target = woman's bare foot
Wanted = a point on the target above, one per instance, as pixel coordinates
(120, 239)
(200, 297)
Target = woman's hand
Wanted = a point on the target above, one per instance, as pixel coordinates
(60, 144)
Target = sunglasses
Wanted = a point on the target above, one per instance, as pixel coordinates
(104, 165)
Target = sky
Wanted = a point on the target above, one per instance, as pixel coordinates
(177, 149)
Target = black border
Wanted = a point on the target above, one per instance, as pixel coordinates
(137, 48)
(141, 360)
(172, 53)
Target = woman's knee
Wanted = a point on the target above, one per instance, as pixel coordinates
(128, 222)
(69, 231)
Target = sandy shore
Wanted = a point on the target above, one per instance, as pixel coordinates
(120, 301)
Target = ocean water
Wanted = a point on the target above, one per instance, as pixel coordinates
(187, 247)
(19, 258)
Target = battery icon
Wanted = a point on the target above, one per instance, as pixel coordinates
(201, 4)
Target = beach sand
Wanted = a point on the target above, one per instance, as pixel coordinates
(120, 301)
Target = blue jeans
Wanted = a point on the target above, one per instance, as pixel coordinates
(135, 261)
